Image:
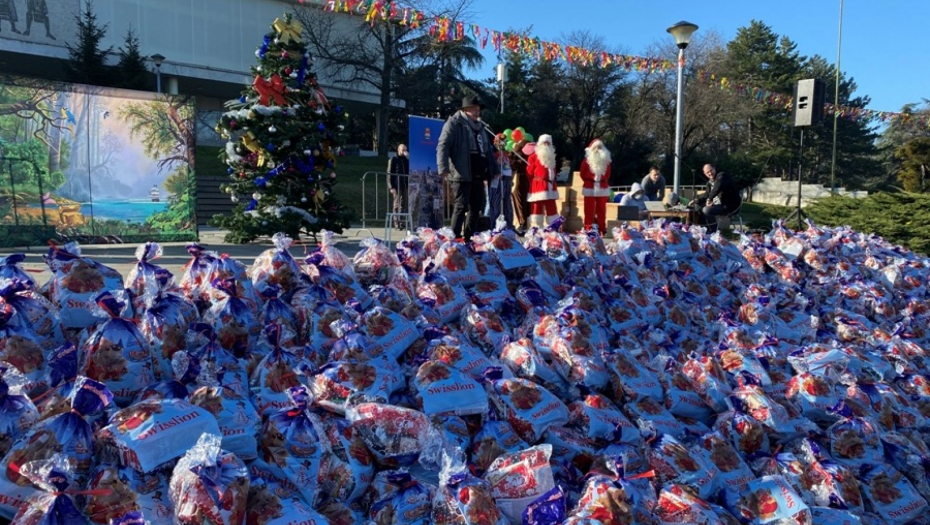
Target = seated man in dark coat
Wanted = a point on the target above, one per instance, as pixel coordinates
(721, 199)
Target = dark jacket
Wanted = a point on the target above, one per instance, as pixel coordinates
(724, 187)
(654, 191)
(453, 151)
(398, 165)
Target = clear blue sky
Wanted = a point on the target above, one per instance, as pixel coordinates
(881, 46)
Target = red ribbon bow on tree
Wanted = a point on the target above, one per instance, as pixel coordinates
(268, 89)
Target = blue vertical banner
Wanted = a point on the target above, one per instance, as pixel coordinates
(425, 184)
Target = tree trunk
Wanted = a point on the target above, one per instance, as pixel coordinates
(186, 133)
(54, 138)
(384, 107)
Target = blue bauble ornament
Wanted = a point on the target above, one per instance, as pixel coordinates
(322, 127)
(270, 147)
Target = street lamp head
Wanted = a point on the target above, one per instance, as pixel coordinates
(682, 33)
(157, 59)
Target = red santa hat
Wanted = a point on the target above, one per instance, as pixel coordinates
(544, 139)
(595, 142)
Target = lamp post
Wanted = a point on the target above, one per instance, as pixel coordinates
(157, 59)
(682, 33)
(836, 101)
(501, 78)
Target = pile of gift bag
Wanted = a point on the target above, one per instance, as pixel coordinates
(667, 376)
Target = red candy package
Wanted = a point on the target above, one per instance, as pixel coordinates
(209, 486)
(17, 413)
(33, 314)
(463, 499)
(529, 408)
(771, 500)
(517, 479)
(653, 419)
(274, 375)
(677, 504)
(195, 275)
(68, 433)
(21, 352)
(890, 495)
(333, 256)
(276, 267)
(449, 300)
(524, 361)
(441, 389)
(344, 287)
(494, 439)
(238, 421)
(152, 432)
(599, 419)
(461, 355)
(336, 381)
(76, 282)
(53, 504)
(352, 468)
(166, 320)
(485, 328)
(394, 435)
(374, 263)
(455, 264)
(235, 318)
(293, 441)
(675, 463)
(390, 333)
(629, 379)
(401, 500)
(117, 354)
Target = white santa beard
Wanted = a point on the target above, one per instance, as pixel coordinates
(598, 161)
(546, 156)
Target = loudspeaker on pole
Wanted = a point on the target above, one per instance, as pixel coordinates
(809, 98)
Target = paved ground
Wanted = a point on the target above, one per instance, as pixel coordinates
(122, 256)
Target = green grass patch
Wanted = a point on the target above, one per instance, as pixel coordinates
(758, 216)
(351, 193)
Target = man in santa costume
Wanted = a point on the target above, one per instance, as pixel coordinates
(540, 170)
(595, 172)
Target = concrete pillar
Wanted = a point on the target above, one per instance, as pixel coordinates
(172, 86)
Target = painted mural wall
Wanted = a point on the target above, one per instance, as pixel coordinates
(96, 164)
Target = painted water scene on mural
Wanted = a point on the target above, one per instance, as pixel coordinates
(94, 163)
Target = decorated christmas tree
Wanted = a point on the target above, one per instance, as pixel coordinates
(282, 136)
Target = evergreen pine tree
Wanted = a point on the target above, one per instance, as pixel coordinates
(86, 61)
(282, 134)
(131, 71)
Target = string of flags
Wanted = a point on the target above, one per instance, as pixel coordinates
(445, 29)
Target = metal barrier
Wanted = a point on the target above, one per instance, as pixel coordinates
(687, 192)
(377, 200)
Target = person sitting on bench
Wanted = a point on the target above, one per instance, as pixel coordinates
(721, 198)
